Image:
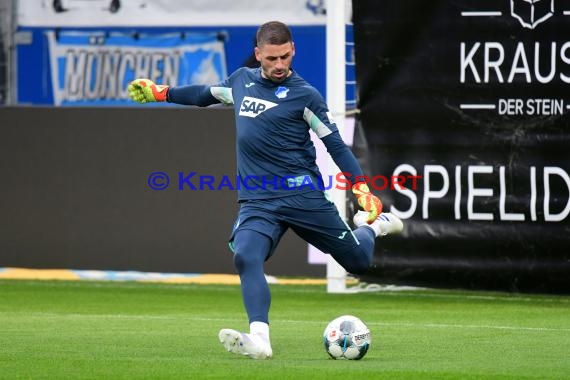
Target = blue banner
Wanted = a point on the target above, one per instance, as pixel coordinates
(95, 68)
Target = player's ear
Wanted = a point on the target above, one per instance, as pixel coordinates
(257, 54)
(292, 49)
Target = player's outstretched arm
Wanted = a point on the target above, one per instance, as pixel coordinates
(145, 91)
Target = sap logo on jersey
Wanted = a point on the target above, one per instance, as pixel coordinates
(252, 107)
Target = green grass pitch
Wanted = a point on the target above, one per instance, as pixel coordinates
(131, 330)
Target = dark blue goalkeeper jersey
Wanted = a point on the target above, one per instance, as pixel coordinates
(275, 155)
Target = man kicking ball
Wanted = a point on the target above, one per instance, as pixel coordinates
(282, 188)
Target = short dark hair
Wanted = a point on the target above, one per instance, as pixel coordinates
(274, 33)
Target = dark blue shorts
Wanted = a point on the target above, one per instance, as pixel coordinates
(310, 215)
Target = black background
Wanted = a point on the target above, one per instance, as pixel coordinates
(408, 74)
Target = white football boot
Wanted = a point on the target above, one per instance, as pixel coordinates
(252, 345)
(385, 224)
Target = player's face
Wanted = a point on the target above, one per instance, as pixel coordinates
(275, 60)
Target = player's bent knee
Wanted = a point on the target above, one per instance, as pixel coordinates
(355, 261)
(243, 261)
(250, 249)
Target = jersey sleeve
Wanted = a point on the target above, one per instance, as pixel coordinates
(201, 95)
(321, 121)
(318, 116)
(343, 157)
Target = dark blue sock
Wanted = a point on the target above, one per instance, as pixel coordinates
(251, 249)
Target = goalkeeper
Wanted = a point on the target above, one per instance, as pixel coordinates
(274, 110)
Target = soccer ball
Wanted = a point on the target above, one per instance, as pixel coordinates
(347, 337)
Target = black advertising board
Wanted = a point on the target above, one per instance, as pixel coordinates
(473, 97)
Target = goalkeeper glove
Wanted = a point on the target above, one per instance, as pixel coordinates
(145, 91)
(368, 201)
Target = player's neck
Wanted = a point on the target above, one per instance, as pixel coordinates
(289, 73)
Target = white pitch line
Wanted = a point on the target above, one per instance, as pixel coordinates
(479, 327)
(449, 326)
(480, 297)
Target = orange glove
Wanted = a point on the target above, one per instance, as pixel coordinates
(145, 91)
(368, 201)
